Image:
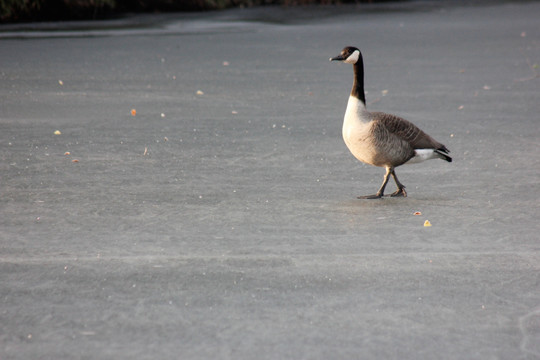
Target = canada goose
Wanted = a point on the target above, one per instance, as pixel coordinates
(382, 139)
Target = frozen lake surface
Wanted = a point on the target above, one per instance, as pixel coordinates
(176, 186)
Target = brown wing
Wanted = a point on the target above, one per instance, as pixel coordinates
(408, 132)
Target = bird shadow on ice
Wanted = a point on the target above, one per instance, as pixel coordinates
(388, 201)
(388, 207)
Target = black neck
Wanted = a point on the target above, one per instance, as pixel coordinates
(358, 85)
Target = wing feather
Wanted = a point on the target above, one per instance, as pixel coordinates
(408, 132)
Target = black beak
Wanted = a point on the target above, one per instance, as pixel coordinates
(337, 58)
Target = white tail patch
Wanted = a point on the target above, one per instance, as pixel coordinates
(423, 155)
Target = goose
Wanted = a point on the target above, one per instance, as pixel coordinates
(381, 139)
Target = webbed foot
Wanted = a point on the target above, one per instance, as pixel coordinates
(399, 193)
(376, 196)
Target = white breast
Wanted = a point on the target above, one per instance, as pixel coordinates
(356, 130)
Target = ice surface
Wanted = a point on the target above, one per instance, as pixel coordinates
(220, 220)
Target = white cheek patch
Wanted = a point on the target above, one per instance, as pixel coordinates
(353, 58)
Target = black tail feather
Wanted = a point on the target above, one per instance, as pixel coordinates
(443, 152)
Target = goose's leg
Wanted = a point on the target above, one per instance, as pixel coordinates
(380, 193)
(401, 188)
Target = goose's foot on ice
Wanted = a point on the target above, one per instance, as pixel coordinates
(376, 196)
(399, 193)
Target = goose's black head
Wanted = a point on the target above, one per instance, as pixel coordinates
(349, 55)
